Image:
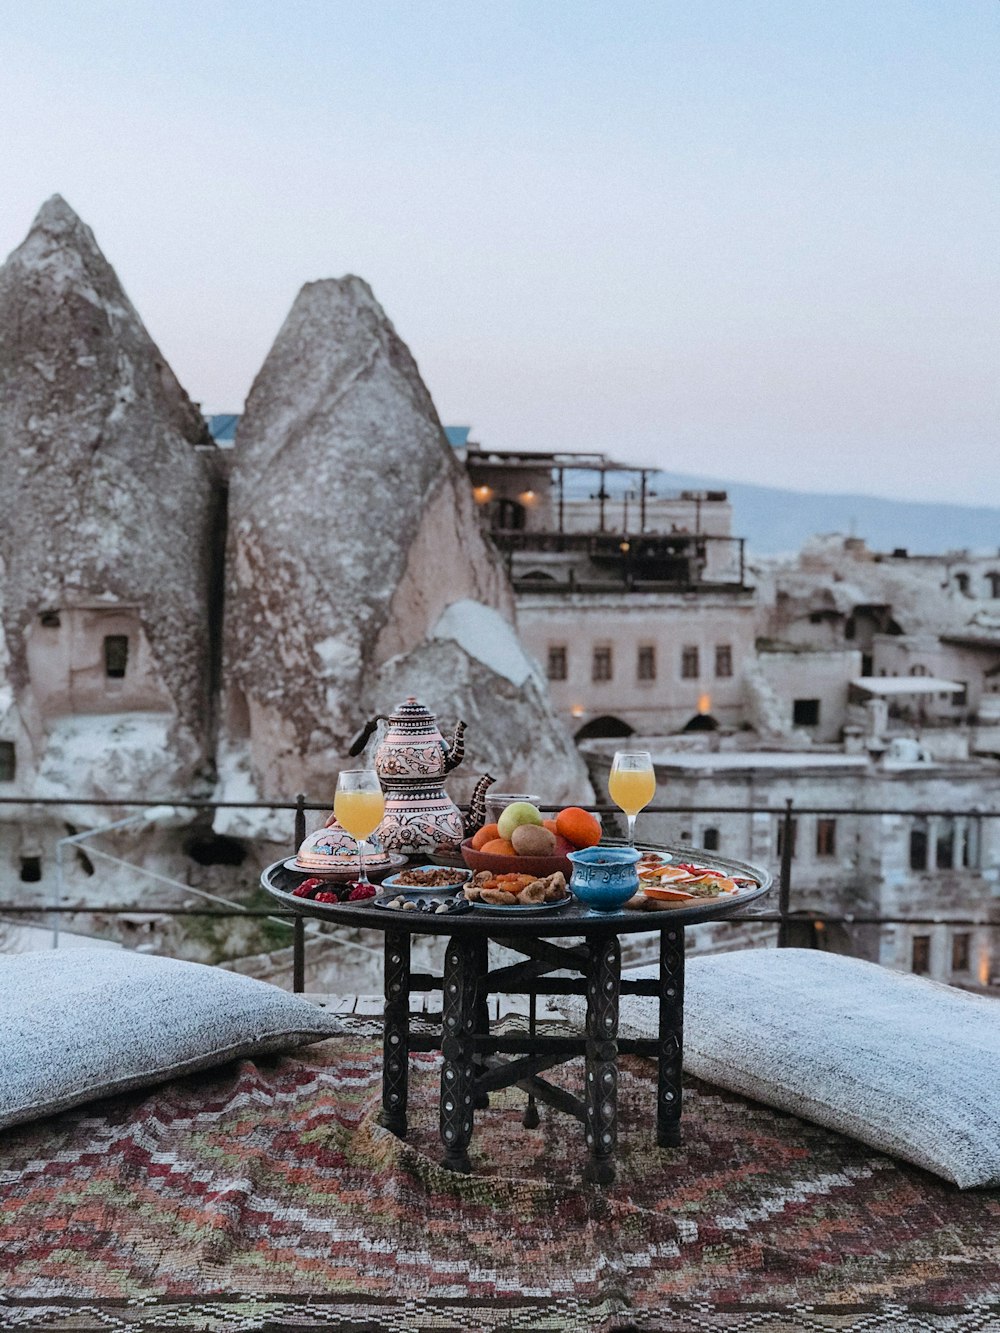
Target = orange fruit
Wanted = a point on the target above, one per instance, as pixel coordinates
(497, 847)
(550, 824)
(578, 826)
(486, 834)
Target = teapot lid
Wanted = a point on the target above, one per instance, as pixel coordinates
(412, 710)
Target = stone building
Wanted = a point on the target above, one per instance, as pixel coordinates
(908, 616)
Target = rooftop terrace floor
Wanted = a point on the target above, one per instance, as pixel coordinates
(265, 1195)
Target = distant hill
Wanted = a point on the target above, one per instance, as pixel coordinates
(775, 521)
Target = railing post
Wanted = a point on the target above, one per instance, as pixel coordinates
(300, 820)
(785, 887)
(299, 955)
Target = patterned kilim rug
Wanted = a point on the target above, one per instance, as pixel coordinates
(266, 1196)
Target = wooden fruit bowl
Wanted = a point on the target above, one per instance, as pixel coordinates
(526, 865)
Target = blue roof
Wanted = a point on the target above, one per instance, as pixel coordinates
(458, 436)
(222, 427)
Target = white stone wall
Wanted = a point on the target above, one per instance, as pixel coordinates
(667, 622)
(823, 676)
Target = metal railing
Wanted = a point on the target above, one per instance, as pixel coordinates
(784, 916)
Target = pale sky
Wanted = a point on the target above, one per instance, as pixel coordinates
(750, 238)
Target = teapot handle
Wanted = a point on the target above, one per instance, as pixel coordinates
(364, 735)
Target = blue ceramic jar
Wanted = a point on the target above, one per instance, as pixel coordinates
(604, 877)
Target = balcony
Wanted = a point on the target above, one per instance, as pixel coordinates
(596, 562)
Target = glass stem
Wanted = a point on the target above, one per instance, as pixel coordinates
(631, 829)
(363, 876)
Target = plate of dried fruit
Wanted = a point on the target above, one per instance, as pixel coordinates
(514, 892)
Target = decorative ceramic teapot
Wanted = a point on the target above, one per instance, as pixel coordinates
(412, 748)
(411, 760)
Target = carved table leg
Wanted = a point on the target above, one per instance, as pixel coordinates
(601, 1098)
(458, 1025)
(482, 1012)
(670, 1037)
(396, 1032)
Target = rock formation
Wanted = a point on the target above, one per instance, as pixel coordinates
(105, 517)
(352, 530)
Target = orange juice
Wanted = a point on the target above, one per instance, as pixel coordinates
(359, 812)
(631, 789)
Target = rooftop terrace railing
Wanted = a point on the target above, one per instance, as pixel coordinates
(783, 915)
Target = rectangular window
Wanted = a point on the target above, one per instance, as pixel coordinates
(960, 951)
(710, 840)
(781, 835)
(921, 958)
(557, 662)
(723, 660)
(805, 713)
(115, 655)
(689, 663)
(826, 837)
(602, 664)
(945, 850)
(918, 849)
(645, 667)
(8, 761)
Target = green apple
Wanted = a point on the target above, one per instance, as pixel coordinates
(516, 814)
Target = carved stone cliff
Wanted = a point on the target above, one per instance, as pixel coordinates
(105, 511)
(352, 530)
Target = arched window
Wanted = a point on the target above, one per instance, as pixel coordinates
(604, 726)
(701, 722)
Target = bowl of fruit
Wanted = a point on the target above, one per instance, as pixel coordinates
(522, 839)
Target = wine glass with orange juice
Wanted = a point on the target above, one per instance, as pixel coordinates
(632, 784)
(358, 805)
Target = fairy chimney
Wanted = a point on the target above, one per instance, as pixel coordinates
(105, 526)
(352, 531)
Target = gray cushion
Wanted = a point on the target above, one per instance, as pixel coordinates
(83, 1023)
(910, 1067)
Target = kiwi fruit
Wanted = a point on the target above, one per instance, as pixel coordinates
(533, 840)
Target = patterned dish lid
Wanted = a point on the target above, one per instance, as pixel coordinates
(333, 848)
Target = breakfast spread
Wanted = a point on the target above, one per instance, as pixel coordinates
(520, 833)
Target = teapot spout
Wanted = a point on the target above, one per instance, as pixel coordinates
(454, 752)
(476, 817)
